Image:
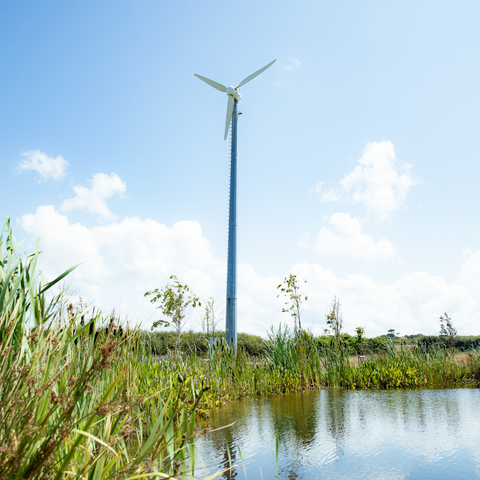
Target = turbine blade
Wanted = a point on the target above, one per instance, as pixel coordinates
(253, 75)
(213, 84)
(229, 115)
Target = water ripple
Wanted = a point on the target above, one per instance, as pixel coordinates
(351, 434)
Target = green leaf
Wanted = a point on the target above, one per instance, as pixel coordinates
(53, 282)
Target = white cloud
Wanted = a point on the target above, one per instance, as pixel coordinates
(469, 274)
(92, 199)
(411, 304)
(125, 259)
(347, 239)
(375, 182)
(65, 244)
(48, 168)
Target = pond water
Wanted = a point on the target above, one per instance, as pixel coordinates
(338, 434)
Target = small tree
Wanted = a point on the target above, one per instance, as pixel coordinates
(447, 328)
(210, 319)
(291, 290)
(174, 301)
(335, 319)
(360, 332)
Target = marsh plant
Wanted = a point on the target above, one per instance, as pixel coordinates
(70, 406)
(329, 364)
(83, 397)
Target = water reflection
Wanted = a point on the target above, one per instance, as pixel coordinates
(349, 434)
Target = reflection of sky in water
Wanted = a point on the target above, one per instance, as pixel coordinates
(350, 435)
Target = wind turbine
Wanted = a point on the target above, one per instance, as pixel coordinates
(233, 94)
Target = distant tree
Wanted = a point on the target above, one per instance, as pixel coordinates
(173, 301)
(360, 334)
(291, 290)
(447, 328)
(391, 333)
(359, 340)
(335, 319)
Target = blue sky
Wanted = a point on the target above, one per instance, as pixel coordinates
(358, 155)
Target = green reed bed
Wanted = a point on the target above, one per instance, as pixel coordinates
(295, 362)
(79, 400)
(210, 382)
(291, 362)
(71, 405)
(330, 365)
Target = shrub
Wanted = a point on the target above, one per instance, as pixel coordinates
(196, 343)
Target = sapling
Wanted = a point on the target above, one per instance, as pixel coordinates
(291, 290)
(174, 301)
(335, 319)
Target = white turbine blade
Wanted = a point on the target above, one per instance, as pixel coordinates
(229, 115)
(253, 75)
(213, 84)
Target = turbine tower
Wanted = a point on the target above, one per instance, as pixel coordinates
(233, 94)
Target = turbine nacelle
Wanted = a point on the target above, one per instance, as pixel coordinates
(232, 92)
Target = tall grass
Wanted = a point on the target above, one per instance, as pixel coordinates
(78, 401)
(70, 405)
(331, 366)
(295, 362)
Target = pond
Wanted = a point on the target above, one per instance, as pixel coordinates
(344, 434)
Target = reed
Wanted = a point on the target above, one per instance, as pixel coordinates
(70, 402)
(295, 362)
(79, 401)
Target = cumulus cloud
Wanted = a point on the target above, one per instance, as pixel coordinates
(48, 168)
(125, 259)
(346, 239)
(411, 304)
(92, 199)
(375, 182)
(469, 274)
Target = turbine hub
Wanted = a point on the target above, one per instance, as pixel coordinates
(234, 92)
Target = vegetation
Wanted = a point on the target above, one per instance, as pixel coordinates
(290, 288)
(292, 362)
(161, 343)
(71, 402)
(84, 397)
(210, 318)
(447, 329)
(335, 320)
(173, 301)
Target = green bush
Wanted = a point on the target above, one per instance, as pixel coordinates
(196, 343)
(431, 343)
(252, 345)
(465, 344)
(461, 344)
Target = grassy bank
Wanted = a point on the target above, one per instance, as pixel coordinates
(297, 362)
(82, 397)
